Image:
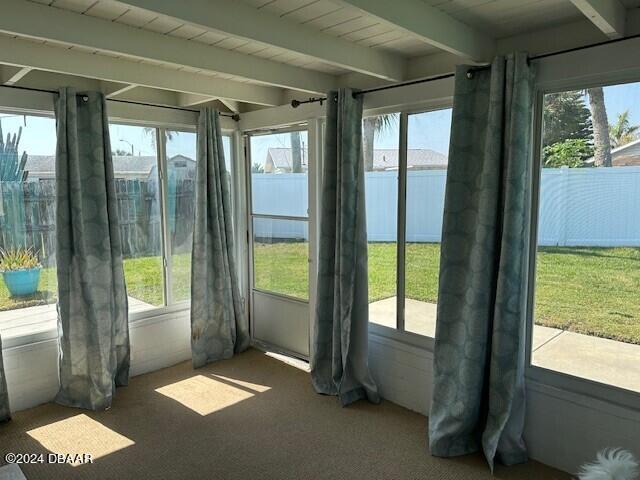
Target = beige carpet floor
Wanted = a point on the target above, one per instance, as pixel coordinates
(252, 417)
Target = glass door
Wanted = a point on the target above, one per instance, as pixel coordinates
(279, 239)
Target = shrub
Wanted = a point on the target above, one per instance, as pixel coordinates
(18, 259)
(570, 153)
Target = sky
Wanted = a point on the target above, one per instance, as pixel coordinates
(426, 130)
(39, 137)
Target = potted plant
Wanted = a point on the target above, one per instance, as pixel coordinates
(21, 270)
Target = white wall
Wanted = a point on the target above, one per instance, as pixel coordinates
(563, 429)
(32, 369)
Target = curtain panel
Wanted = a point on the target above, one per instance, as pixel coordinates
(219, 326)
(339, 353)
(479, 359)
(5, 412)
(92, 299)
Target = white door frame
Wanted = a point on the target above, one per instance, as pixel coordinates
(313, 130)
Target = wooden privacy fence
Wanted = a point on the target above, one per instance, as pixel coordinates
(27, 216)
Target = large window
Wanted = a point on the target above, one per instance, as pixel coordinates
(381, 152)
(180, 152)
(587, 285)
(181, 177)
(157, 211)
(405, 202)
(138, 189)
(427, 159)
(154, 170)
(28, 287)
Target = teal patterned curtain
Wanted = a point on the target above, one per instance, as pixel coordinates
(92, 298)
(219, 326)
(479, 397)
(5, 413)
(339, 353)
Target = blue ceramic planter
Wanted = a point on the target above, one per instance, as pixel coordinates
(22, 282)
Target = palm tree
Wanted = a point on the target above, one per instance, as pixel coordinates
(296, 152)
(371, 126)
(168, 135)
(601, 140)
(622, 132)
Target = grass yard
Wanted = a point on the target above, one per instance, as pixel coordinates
(586, 290)
(282, 268)
(595, 291)
(143, 276)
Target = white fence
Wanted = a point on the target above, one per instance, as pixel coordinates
(578, 207)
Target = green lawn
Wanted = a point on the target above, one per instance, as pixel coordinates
(143, 276)
(587, 290)
(282, 268)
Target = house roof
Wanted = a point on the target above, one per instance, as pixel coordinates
(383, 158)
(281, 157)
(44, 165)
(626, 146)
(418, 158)
(627, 155)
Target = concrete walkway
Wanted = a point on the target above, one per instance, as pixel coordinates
(30, 320)
(599, 359)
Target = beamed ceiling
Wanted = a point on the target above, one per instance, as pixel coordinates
(247, 54)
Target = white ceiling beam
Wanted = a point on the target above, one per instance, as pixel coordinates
(608, 15)
(34, 20)
(12, 75)
(53, 81)
(190, 99)
(432, 25)
(7, 72)
(241, 20)
(23, 53)
(112, 90)
(231, 104)
(151, 96)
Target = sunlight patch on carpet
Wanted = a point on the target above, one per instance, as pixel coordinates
(205, 395)
(80, 435)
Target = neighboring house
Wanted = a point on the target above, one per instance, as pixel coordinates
(179, 167)
(279, 160)
(417, 159)
(124, 166)
(627, 155)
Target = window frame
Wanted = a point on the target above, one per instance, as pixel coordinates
(561, 381)
(161, 159)
(151, 315)
(399, 333)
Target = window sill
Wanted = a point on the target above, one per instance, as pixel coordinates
(601, 397)
(46, 327)
(581, 391)
(410, 339)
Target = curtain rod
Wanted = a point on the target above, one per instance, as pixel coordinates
(297, 103)
(233, 116)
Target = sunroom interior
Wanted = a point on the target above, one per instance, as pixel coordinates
(217, 216)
